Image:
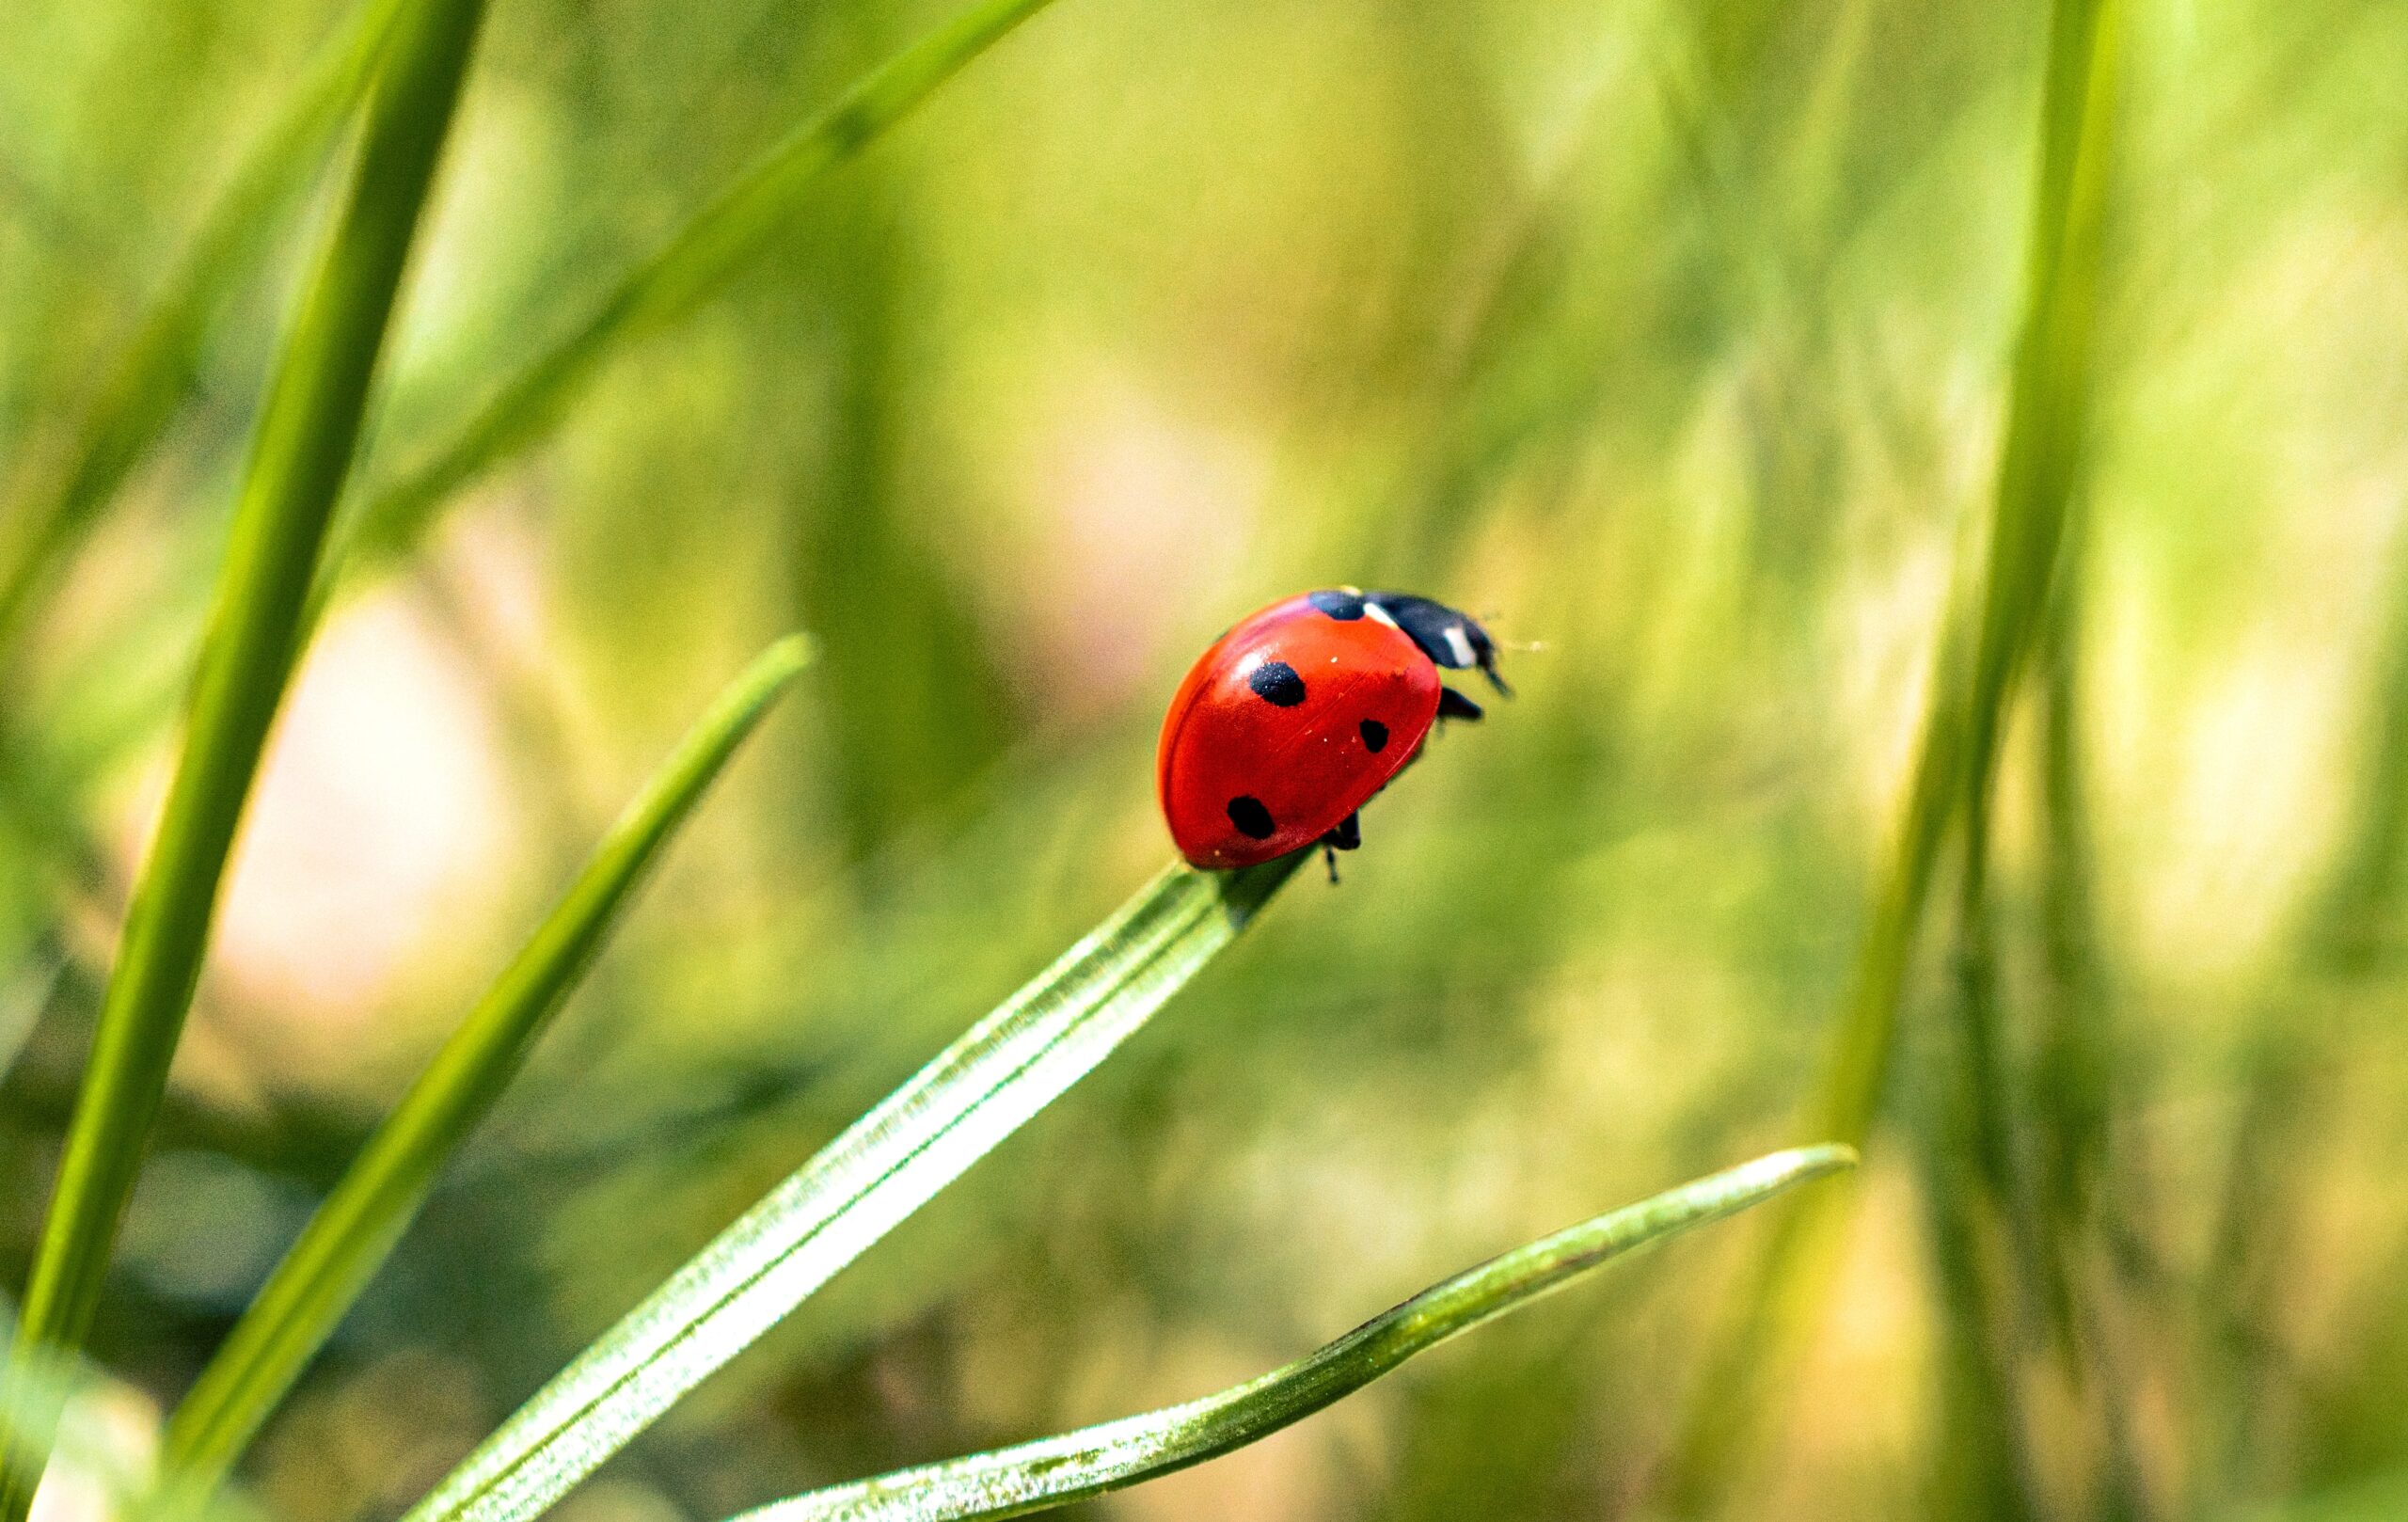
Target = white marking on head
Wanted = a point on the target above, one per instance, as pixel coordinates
(1379, 612)
(1457, 645)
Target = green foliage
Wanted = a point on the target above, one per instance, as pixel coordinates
(893, 1159)
(49, 1416)
(348, 1240)
(739, 220)
(1956, 763)
(147, 380)
(1960, 670)
(1034, 1477)
(308, 429)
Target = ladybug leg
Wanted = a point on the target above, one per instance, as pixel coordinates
(1345, 837)
(1454, 704)
(1488, 669)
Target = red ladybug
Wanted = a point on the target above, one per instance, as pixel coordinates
(1296, 717)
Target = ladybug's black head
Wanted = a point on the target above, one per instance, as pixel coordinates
(1448, 638)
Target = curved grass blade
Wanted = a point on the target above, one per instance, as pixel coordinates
(1054, 1471)
(148, 378)
(717, 242)
(353, 1231)
(2048, 409)
(306, 433)
(890, 1162)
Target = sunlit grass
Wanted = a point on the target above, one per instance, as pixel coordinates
(1983, 654)
(732, 229)
(1054, 1471)
(353, 1231)
(1701, 347)
(309, 428)
(958, 1108)
(150, 378)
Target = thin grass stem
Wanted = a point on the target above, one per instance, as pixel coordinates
(1113, 1455)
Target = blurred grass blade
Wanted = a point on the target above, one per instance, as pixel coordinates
(2047, 411)
(718, 241)
(306, 433)
(39, 1420)
(2073, 1063)
(149, 377)
(352, 1233)
(1754, 1354)
(890, 1162)
(58, 1412)
(1055, 1471)
(2377, 1497)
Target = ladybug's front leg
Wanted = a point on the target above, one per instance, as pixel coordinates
(1454, 704)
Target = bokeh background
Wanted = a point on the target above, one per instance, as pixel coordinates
(1670, 340)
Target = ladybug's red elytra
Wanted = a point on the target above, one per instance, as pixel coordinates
(1292, 720)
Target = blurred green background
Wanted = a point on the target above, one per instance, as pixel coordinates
(1670, 341)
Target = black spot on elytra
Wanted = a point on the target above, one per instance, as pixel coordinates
(1375, 736)
(1252, 819)
(1276, 682)
(1345, 607)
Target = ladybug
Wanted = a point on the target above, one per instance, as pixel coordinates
(1294, 718)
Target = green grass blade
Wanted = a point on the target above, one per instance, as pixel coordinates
(718, 241)
(890, 1162)
(1055, 1471)
(142, 389)
(306, 433)
(2047, 402)
(353, 1231)
(2047, 412)
(1755, 1354)
(41, 1421)
(35, 1425)
(2074, 1064)
(2378, 1497)
(1971, 1159)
